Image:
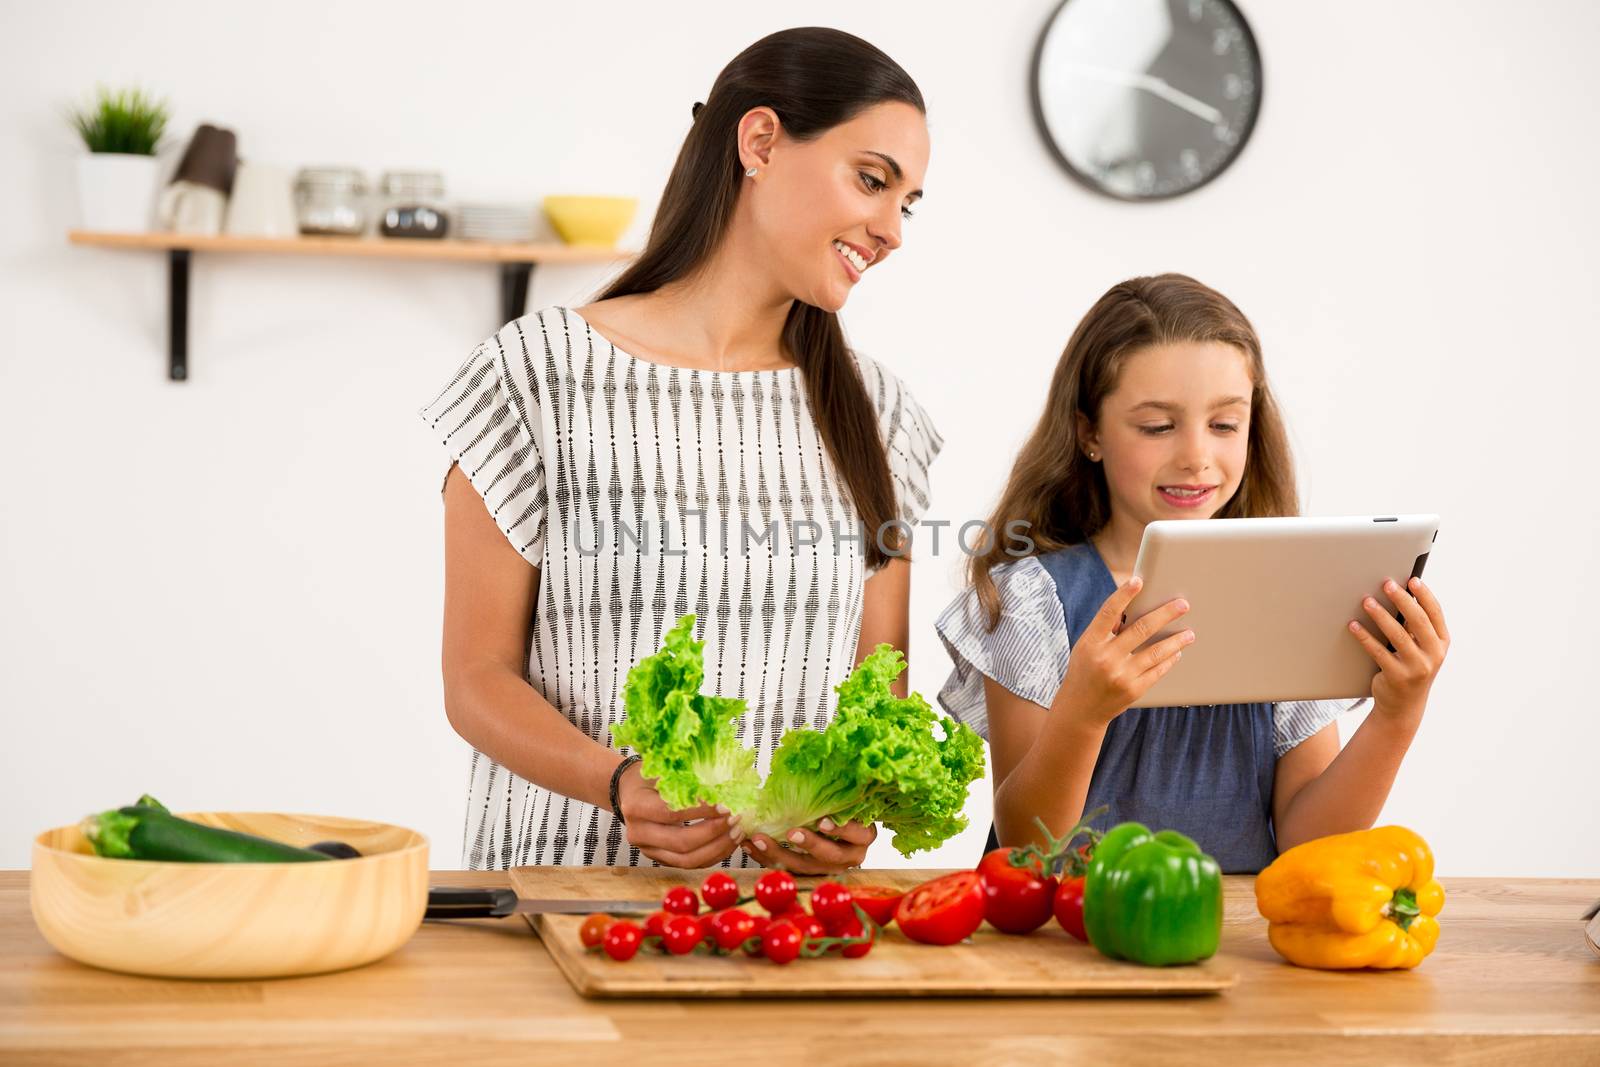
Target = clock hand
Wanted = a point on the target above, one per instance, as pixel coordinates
(1153, 85)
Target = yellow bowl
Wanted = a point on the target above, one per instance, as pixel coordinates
(595, 221)
(234, 920)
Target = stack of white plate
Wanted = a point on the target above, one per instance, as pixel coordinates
(494, 222)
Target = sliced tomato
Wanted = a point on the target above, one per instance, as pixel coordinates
(878, 901)
(943, 911)
(1017, 900)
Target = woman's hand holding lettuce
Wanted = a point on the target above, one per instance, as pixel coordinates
(878, 761)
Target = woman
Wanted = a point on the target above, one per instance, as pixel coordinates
(700, 439)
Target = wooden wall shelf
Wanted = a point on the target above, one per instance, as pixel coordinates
(516, 262)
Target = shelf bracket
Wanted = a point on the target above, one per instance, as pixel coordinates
(514, 279)
(178, 314)
(514, 290)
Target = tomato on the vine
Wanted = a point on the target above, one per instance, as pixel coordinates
(680, 900)
(681, 933)
(731, 928)
(775, 891)
(593, 930)
(832, 903)
(758, 929)
(1017, 895)
(782, 942)
(853, 927)
(809, 925)
(719, 891)
(1069, 907)
(622, 940)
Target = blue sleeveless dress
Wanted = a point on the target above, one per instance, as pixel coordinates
(1206, 772)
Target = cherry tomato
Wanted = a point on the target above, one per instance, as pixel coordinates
(622, 940)
(593, 930)
(852, 927)
(795, 911)
(758, 928)
(680, 900)
(781, 943)
(654, 924)
(681, 933)
(731, 928)
(775, 891)
(943, 911)
(1017, 899)
(719, 891)
(878, 901)
(810, 926)
(832, 903)
(1069, 907)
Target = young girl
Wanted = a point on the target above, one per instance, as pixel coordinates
(1160, 409)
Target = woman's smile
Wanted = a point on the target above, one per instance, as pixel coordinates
(855, 259)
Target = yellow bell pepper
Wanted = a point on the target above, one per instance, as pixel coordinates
(1363, 899)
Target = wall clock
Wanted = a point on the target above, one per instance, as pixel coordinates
(1146, 99)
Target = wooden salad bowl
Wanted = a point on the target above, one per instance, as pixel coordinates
(234, 920)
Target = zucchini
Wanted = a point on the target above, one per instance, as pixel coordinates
(142, 832)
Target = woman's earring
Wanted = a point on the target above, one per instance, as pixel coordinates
(751, 173)
(1093, 457)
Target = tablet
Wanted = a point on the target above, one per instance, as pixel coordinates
(1270, 602)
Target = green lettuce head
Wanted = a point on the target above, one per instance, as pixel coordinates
(688, 739)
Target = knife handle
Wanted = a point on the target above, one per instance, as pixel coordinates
(459, 902)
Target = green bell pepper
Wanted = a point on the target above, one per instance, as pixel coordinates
(1153, 898)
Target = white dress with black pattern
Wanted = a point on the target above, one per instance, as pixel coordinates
(642, 493)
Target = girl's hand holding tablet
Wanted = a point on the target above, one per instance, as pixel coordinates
(1107, 672)
(1409, 656)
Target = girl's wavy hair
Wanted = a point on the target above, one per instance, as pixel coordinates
(1058, 491)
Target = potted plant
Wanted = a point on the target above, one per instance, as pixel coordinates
(117, 181)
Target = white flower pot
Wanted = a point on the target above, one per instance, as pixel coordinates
(117, 191)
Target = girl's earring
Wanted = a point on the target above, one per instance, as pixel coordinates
(1094, 457)
(751, 173)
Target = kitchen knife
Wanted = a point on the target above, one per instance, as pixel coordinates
(460, 902)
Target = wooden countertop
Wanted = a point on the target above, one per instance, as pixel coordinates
(1511, 982)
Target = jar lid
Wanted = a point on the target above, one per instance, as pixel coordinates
(338, 179)
(413, 183)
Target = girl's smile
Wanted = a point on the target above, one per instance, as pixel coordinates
(1187, 496)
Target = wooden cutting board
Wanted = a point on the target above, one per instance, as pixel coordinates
(1046, 963)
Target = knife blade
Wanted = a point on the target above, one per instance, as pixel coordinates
(471, 902)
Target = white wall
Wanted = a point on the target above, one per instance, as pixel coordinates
(228, 591)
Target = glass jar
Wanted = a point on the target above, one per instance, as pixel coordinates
(413, 204)
(331, 201)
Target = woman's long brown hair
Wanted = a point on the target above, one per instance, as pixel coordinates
(814, 79)
(1058, 491)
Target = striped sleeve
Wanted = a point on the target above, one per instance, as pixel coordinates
(1294, 721)
(910, 441)
(488, 425)
(1026, 653)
